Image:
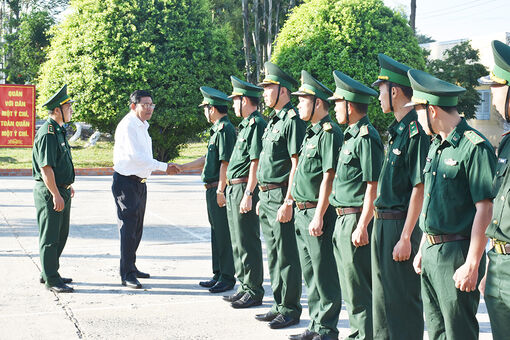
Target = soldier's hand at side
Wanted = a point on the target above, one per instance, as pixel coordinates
(246, 204)
(284, 213)
(465, 278)
(315, 227)
(402, 250)
(72, 192)
(58, 203)
(359, 237)
(481, 286)
(220, 199)
(257, 208)
(417, 263)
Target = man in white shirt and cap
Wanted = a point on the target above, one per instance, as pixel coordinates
(133, 163)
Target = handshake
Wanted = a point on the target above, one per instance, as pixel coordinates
(173, 169)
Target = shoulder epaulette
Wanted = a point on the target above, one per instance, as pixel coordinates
(291, 113)
(327, 126)
(363, 131)
(413, 129)
(51, 129)
(252, 121)
(221, 126)
(473, 137)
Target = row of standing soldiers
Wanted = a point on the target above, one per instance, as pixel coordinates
(339, 211)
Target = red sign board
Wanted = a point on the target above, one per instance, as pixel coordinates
(17, 116)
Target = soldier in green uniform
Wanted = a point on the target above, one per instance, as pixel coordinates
(278, 161)
(242, 196)
(314, 217)
(354, 192)
(53, 171)
(395, 238)
(456, 210)
(214, 174)
(496, 284)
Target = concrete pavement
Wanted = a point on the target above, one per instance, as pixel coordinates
(175, 250)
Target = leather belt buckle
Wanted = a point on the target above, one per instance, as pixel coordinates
(376, 214)
(143, 180)
(228, 182)
(431, 239)
(500, 247)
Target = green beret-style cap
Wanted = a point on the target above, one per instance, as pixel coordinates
(500, 74)
(428, 89)
(214, 97)
(243, 88)
(312, 87)
(392, 70)
(275, 75)
(351, 90)
(59, 98)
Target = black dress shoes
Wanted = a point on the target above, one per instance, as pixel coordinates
(269, 316)
(221, 287)
(233, 297)
(142, 275)
(246, 301)
(60, 288)
(282, 321)
(324, 337)
(64, 279)
(208, 284)
(306, 335)
(132, 283)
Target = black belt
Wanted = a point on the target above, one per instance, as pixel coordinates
(64, 186)
(134, 178)
(437, 239)
(390, 214)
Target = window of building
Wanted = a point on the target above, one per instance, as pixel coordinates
(483, 111)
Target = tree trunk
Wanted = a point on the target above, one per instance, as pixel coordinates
(412, 17)
(256, 38)
(246, 38)
(269, 41)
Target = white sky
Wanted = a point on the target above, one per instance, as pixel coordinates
(456, 19)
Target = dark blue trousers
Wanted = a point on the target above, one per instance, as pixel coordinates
(130, 198)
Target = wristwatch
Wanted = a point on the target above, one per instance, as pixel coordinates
(248, 193)
(288, 201)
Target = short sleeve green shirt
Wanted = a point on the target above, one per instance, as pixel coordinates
(458, 173)
(360, 161)
(51, 148)
(319, 153)
(248, 145)
(221, 144)
(403, 163)
(282, 138)
(499, 228)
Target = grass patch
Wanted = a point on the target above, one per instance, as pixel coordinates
(100, 155)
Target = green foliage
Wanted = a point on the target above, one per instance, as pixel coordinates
(26, 47)
(107, 49)
(324, 35)
(460, 66)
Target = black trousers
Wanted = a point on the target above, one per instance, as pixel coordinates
(130, 198)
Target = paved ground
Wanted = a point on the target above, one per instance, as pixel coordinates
(175, 250)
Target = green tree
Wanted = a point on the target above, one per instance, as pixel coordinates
(105, 50)
(346, 35)
(27, 47)
(460, 66)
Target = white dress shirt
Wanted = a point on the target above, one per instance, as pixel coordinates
(132, 152)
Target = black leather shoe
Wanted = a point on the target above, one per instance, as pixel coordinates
(233, 297)
(282, 321)
(208, 284)
(269, 316)
(221, 287)
(246, 301)
(142, 275)
(132, 283)
(324, 337)
(306, 335)
(60, 288)
(64, 279)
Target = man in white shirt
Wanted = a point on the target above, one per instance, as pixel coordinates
(133, 163)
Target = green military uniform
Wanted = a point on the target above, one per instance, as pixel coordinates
(497, 288)
(458, 172)
(245, 228)
(318, 154)
(281, 139)
(359, 162)
(396, 299)
(52, 149)
(221, 143)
